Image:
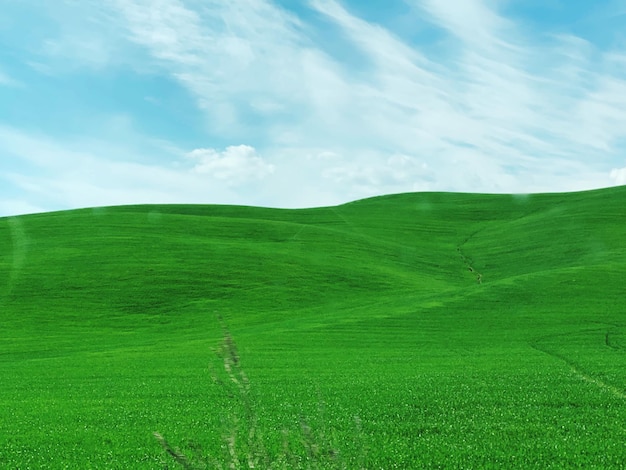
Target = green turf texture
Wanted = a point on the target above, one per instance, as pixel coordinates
(424, 330)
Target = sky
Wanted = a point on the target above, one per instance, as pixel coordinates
(303, 103)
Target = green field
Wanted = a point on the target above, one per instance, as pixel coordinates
(416, 330)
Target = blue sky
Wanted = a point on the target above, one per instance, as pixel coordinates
(291, 103)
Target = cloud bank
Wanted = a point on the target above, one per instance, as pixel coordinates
(323, 102)
(236, 165)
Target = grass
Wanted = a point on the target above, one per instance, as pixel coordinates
(361, 328)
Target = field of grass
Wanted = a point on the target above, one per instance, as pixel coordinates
(422, 330)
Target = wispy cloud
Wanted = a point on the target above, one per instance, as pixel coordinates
(6, 80)
(235, 57)
(619, 175)
(61, 175)
(498, 89)
(315, 100)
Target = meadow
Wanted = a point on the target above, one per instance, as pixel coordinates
(424, 330)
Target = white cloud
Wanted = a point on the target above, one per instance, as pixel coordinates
(369, 174)
(12, 206)
(79, 35)
(472, 21)
(236, 165)
(494, 89)
(92, 51)
(618, 175)
(6, 80)
(485, 104)
(55, 174)
(235, 57)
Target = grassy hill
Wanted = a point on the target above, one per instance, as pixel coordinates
(415, 330)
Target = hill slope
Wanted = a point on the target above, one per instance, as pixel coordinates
(459, 330)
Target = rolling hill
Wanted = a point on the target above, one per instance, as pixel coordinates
(424, 330)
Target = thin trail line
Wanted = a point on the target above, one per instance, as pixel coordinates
(295, 235)
(338, 214)
(614, 390)
(469, 263)
(356, 230)
(583, 375)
